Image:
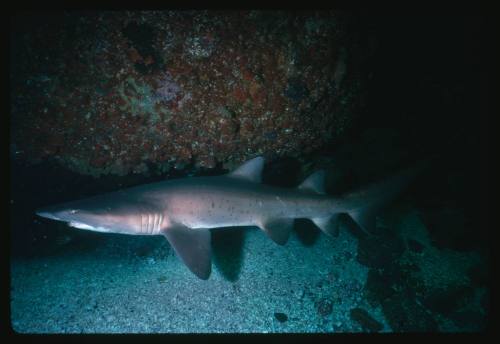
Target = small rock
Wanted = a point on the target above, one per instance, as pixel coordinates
(271, 135)
(366, 321)
(415, 246)
(377, 287)
(485, 302)
(296, 90)
(281, 317)
(302, 294)
(478, 274)
(404, 314)
(446, 301)
(324, 307)
(439, 222)
(162, 279)
(468, 318)
(347, 255)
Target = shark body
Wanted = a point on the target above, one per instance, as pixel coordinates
(184, 210)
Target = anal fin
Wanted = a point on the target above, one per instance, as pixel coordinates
(278, 229)
(193, 246)
(329, 224)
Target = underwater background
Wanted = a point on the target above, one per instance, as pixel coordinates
(101, 101)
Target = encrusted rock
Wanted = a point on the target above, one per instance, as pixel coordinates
(149, 88)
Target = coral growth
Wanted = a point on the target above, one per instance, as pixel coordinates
(111, 91)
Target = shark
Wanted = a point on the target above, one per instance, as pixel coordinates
(186, 210)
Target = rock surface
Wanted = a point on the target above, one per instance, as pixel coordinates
(122, 92)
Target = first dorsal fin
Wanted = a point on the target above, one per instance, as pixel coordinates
(250, 170)
(314, 183)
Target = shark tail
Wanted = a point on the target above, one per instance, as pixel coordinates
(363, 205)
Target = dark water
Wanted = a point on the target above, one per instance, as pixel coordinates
(425, 269)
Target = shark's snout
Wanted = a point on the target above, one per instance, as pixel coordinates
(47, 214)
(60, 213)
(93, 216)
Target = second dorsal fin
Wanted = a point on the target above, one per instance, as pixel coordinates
(314, 183)
(250, 170)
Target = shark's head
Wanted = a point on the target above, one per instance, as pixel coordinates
(107, 213)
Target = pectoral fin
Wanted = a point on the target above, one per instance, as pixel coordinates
(193, 246)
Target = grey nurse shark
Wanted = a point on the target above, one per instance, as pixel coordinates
(184, 210)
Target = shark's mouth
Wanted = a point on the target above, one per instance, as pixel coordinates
(85, 226)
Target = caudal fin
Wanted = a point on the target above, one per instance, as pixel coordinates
(363, 205)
